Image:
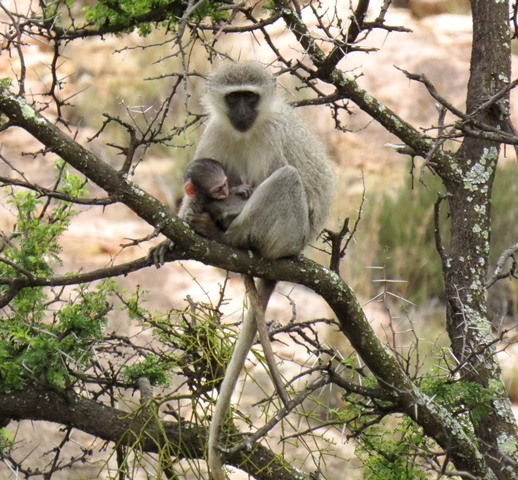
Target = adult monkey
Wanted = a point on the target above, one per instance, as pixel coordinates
(258, 137)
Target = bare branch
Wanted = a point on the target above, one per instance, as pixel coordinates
(439, 246)
(469, 124)
(55, 194)
(335, 239)
(183, 439)
(512, 271)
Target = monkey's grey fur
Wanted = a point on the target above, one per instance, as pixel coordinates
(287, 210)
(205, 174)
(288, 168)
(223, 213)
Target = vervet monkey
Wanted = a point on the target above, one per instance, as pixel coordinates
(256, 135)
(205, 184)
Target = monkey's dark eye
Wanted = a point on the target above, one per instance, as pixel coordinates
(250, 98)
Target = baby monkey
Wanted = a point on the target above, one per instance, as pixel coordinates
(206, 184)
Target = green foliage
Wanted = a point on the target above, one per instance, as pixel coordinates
(6, 441)
(36, 237)
(468, 401)
(57, 336)
(389, 446)
(134, 305)
(194, 343)
(126, 15)
(152, 367)
(36, 343)
(392, 446)
(197, 343)
(393, 455)
(406, 243)
(39, 225)
(49, 337)
(47, 351)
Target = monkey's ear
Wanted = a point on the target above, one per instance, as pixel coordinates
(189, 189)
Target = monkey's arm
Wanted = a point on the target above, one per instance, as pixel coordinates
(204, 225)
(243, 190)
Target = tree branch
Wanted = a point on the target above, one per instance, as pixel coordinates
(348, 88)
(19, 283)
(185, 439)
(508, 253)
(55, 194)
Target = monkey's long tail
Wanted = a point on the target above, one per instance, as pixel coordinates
(242, 346)
(260, 324)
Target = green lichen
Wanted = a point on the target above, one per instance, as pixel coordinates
(478, 176)
(27, 111)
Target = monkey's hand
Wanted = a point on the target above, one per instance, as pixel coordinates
(203, 225)
(243, 191)
(158, 253)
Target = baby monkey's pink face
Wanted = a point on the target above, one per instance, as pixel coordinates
(220, 190)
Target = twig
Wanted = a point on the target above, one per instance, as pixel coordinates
(336, 238)
(437, 229)
(509, 253)
(482, 130)
(438, 142)
(261, 432)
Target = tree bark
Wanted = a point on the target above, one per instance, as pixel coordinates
(465, 271)
(185, 439)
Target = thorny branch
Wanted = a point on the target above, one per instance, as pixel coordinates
(263, 431)
(468, 122)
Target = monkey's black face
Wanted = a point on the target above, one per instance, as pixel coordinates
(242, 109)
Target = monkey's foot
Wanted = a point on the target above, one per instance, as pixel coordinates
(158, 254)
